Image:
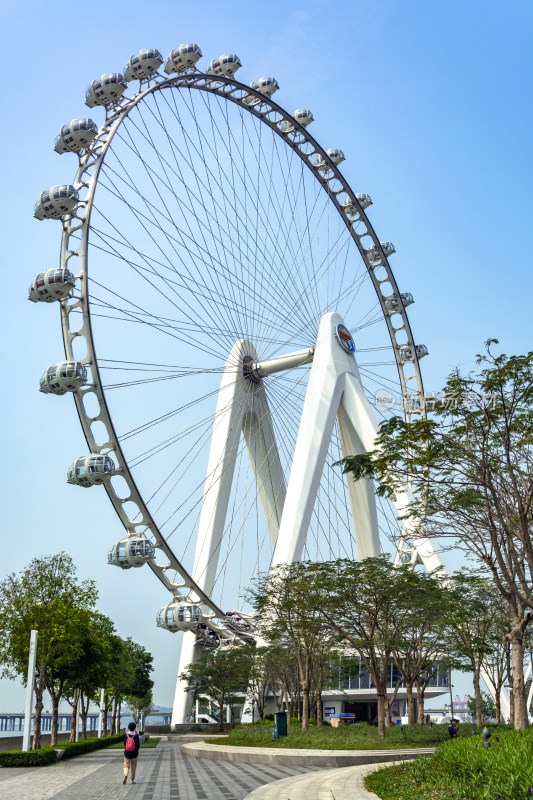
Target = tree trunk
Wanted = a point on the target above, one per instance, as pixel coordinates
(84, 710)
(312, 705)
(221, 714)
(516, 638)
(305, 706)
(497, 700)
(477, 696)
(381, 697)
(114, 717)
(420, 692)
(388, 704)
(104, 715)
(38, 714)
(55, 712)
(278, 698)
(319, 716)
(411, 718)
(509, 680)
(75, 701)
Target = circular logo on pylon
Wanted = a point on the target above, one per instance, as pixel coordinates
(344, 338)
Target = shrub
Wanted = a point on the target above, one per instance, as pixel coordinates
(86, 745)
(33, 758)
(269, 717)
(463, 769)
(48, 755)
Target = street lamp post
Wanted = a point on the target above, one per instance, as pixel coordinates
(451, 696)
(253, 686)
(29, 691)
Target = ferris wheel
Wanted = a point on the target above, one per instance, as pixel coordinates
(229, 316)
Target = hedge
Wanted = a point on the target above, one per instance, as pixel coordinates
(33, 758)
(47, 754)
(86, 745)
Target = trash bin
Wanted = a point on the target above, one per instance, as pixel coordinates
(280, 724)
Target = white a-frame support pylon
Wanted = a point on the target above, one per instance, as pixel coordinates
(334, 391)
(242, 408)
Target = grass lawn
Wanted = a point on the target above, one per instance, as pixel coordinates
(463, 769)
(152, 742)
(350, 737)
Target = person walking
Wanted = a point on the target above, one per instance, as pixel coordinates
(453, 730)
(131, 752)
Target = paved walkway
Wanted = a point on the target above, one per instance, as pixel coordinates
(163, 773)
(346, 783)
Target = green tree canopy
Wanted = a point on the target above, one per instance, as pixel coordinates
(288, 606)
(470, 466)
(219, 674)
(47, 597)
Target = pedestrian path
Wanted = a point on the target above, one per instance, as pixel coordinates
(163, 773)
(346, 783)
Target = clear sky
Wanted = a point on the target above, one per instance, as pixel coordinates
(431, 104)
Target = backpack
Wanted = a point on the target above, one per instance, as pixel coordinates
(130, 743)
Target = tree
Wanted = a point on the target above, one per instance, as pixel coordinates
(218, 675)
(473, 618)
(470, 469)
(496, 662)
(129, 675)
(95, 666)
(367, 604)
(287, 605)
(120, 679)
(140, 705)
(487, 708)
(421, 629)
(141, 661)
(47, 597)
(280, 669)
(260, 681)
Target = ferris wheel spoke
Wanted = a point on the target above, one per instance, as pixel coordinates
(190, 280)
(168, 236)
(139, 267)
(229, 199)
(216, 186)
(379, 379)
(247, 173)
(221, 257)
(237, 285)
(290, 250)
(150, 261)
(256, 205)
(149, 268)
(184, 212)
(167, 323)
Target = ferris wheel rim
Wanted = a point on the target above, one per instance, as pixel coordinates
(227, 88)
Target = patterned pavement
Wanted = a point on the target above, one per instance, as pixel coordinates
(162, 773)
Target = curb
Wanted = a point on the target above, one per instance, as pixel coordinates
(303, 758)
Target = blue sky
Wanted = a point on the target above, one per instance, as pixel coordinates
(431, 104)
